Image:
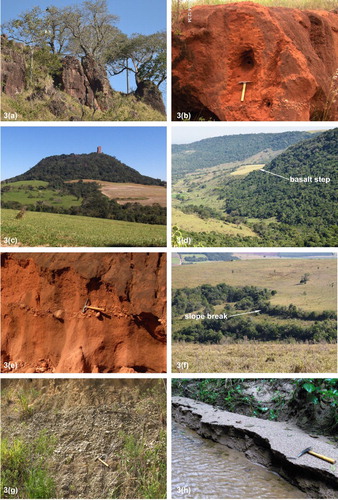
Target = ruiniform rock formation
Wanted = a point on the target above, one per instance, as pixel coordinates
(47, 328)
(84, 79)
(287, 57)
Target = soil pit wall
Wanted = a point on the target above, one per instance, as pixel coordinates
(272, 444)
(44, 327)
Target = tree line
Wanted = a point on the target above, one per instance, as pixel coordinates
(247, 298)
(94, 204)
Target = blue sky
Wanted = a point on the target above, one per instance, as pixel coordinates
(136, 16)
(142, 148)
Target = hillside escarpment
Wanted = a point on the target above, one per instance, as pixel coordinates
(45, 327)
(288, 57)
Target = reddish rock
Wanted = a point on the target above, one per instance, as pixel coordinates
(289, 56)
(13, 68)
(150, 94)
(73, 80)
(129, 336)
(97, 82)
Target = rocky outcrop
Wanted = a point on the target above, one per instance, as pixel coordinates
(13, 67)
(44, 327)
(289, 56)
(272, 444)
(149, 93)
(85, 80)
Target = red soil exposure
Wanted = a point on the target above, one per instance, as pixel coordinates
(289, 56)
(45, 330)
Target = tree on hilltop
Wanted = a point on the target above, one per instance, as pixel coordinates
(143, 55)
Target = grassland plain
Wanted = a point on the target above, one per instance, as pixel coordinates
(254, 357)
(282, 275)
(45, 229)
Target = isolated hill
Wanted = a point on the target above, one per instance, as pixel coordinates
(263, 196)
(96, 166)
(218, 150)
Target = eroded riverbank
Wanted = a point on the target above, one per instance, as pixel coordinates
(272, 444)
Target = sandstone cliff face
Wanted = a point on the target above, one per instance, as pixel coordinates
(13, 68)
(83, 80)
(45, 330)
(289, 56)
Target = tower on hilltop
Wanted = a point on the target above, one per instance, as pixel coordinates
(99, 149)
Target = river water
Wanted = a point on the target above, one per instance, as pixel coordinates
(204, 469)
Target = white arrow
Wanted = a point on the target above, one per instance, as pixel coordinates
(241, 314)
(262, 170)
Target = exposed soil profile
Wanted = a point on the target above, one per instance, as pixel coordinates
(48, 324)
(244, 61)
(83, 438)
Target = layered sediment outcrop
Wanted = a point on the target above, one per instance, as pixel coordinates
(288, 57)
(45, 327)
(272, 444)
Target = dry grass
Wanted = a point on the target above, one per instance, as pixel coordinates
(295, 4)
(246, 169)
(259, 357)
(283, 275)
(191, 222)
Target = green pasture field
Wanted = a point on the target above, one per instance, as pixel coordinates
(45, 229)
(21, 193)
(191, 222)
(255, 357)
(283, 275)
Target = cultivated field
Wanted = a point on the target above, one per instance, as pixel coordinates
(283, 275)
(246, 169)
(45, 229)
(124, 192)
(255, 357)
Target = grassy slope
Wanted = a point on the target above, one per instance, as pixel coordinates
(261, 357)
(124, 108)
(282, 275)
(30, 197)
(202, 188)
(191, 222)
(44, 229)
